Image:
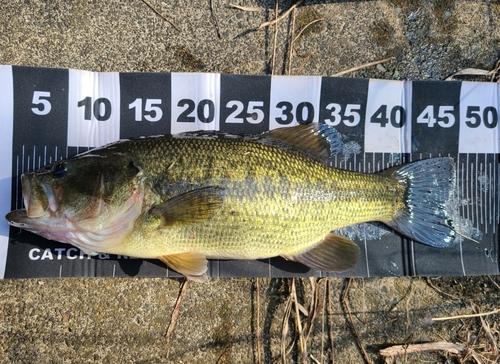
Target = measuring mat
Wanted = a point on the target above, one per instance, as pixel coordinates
(50, 114)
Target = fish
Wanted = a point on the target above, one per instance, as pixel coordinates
(203, 195)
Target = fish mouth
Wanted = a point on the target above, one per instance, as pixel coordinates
(39, 198)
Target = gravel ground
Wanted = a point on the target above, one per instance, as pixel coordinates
(227, 320)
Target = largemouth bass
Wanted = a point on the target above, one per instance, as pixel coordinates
(187, 198)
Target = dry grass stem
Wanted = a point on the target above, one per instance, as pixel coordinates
(366, 65)
(216, 21)
(175, 314)
(487, 330)
(330, 318)
(313, 307)
(284, 328)
(323, 323)
(347, 309)
(494, 283)
(161, 15)
(465, 316)
(494, 71)
(469, 72)
(415, 348)
(302, 342)
(306, 57)
(305, 27)
(429, 282)
(244, 8)
(290, 44)
(275, 36)
(314, 359)
(282, 16)
(257, 293)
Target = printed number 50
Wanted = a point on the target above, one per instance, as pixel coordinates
(43, 105)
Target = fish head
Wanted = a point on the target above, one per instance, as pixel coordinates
(90, 201)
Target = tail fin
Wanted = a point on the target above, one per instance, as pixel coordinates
(430, 186)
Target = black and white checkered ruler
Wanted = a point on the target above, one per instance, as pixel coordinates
(49, 114)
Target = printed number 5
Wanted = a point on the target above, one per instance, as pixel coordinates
(40, 99)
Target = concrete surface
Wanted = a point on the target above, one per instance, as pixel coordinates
(125, 320)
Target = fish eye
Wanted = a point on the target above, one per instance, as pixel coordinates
(60, 169)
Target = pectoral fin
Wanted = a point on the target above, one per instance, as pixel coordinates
(192, 265)
(190, 207)
(333, 254)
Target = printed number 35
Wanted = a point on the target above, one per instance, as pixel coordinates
(350, 117)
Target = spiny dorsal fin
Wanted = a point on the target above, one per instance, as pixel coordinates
(317, 141)
(333, 254)
(191, 265)
(190, 207)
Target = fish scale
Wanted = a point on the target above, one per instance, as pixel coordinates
(274, 200)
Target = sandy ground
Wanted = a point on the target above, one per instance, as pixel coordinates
(241, 320)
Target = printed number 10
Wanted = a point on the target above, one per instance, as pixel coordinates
(101, 108)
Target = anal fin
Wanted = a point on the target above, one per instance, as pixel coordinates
(191, 265)
(333, 254)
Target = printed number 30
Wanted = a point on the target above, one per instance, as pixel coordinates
(43, 105)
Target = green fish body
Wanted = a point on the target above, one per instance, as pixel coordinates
(186, 198)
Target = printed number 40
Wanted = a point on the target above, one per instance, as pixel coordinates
(445, 117)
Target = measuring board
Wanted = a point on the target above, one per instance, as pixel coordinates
(50, 114)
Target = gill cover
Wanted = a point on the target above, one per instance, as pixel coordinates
(91, 201)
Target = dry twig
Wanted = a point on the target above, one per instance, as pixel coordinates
(284, 328)
(469, 72)
(160, 14)
(330, 318)
(465, 316)
(429, 282)
(175, 314)
(347, 309)
(366, 65)
(415, 348)
(290, 45)
(305, 27)
(313, 307)
(257, 293)
(281, 17)
(216, 21)
(302, 341)
(494, 283)
(487, 330)
(275, 36)
(244, 8)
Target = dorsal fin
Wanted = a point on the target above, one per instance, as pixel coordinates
(317, 141)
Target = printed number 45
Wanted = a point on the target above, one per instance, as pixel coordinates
(445, 117)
